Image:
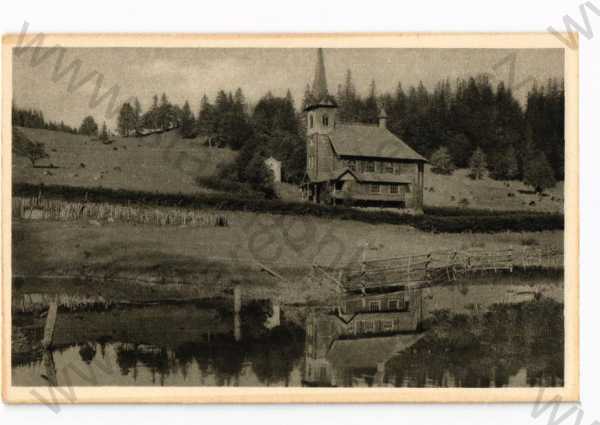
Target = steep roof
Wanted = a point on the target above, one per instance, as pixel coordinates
(363, 177)
(319, 87)
(370, 141)
(319, 95)
(367, 352)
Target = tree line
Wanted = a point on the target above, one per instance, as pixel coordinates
(34, 118)
(470, 123)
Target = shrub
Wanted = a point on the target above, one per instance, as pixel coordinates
(530, 242)
(441, 162)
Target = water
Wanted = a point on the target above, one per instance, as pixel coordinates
(472, 344)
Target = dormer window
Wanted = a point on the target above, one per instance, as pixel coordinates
(325, 121)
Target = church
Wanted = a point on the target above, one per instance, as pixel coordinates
(353, 163)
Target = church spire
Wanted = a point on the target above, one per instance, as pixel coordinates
(319, 87)
(318, 95)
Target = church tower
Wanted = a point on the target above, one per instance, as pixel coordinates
(320, 121)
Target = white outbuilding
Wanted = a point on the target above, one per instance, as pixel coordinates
(275, 167)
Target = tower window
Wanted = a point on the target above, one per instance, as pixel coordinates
(310, 121)
(325, 120)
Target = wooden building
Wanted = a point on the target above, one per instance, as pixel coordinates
(357, 164)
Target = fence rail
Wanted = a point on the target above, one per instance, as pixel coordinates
(37, 208)
(443, 266)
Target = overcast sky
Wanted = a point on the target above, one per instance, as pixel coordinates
(185, 73)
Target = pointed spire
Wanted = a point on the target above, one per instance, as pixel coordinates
(319, 87)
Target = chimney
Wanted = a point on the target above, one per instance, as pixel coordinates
(382, 118)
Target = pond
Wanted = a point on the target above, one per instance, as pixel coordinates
(476, 336)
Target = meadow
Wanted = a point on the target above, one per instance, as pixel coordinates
(167, 163)
(134, 214)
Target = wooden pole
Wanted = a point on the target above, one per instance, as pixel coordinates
(237, 308)
(50, 323)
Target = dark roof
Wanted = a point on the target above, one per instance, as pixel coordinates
(370, 141)
(367, 352)
(383, 178)
(362, 177)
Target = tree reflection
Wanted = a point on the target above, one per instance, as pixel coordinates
(482, 351)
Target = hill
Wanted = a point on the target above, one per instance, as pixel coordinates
(514, 195)
(155, 163)
(166, 163)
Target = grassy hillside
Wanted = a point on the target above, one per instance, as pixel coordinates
(167, 163)
(160, 162)
(446, 191)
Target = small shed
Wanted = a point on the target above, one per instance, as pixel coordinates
(275, 167)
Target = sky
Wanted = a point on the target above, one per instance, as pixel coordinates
(188, 73)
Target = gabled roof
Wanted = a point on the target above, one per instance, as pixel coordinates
(362, 177)
(370, 141)
(367, 352)
(382, 178)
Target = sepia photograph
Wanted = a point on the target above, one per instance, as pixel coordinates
(312, 215)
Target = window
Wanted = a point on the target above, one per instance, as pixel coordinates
(370, 166)
(325, 120)
(310, 121)
(352, 165)
(394, 305)
(397, 168)
(374, 306)
(374, 188)
(388, 167)
(394, 188)
(388, 325)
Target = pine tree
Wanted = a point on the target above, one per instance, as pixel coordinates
(477, 165)
(206, 118)
(538, 173)
(104, 133)
(137, 112)
(126, 121)
(188, 123)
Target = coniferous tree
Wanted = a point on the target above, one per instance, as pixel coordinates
(104, 133)
(477, 165)
(126, 121)
(188, 123)
(538, 173)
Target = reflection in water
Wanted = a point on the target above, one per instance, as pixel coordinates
(508, 345)
(395, 339)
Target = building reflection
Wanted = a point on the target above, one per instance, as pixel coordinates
(350, 345)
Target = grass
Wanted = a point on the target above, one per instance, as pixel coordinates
(203, 260)
(166, 163)
(487, 194)
(491, 222)
(160, 162)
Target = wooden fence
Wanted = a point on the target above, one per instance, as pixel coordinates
(37, 208)
(442, 266)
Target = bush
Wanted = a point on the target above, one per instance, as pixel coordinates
(441, 162)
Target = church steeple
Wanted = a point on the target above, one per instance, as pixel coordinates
(319, 87)
(319, 95)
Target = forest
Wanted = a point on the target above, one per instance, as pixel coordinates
(468, 123)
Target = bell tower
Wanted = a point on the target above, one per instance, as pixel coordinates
(320, 120)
